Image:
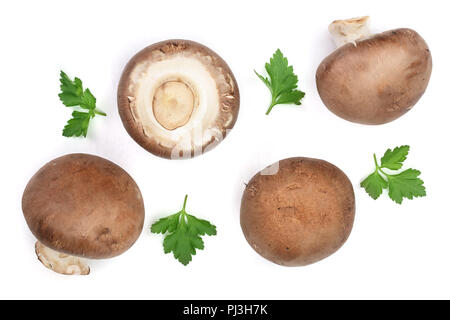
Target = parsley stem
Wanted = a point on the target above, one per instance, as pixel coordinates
(184, 204)
(378, 168)
(101, 113)
(271, 106)
(375, 160)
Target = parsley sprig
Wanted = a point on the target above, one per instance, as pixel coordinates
(282, 83)
(72, 95)
(183, 234)
(405, 184)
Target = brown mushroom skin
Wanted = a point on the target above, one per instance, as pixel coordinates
(85, 206)
(227, 89)
(301, 214)
(378, 80)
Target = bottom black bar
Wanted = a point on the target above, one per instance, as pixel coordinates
(234, 309)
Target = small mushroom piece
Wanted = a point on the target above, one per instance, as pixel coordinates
(373, 79)
(79, 207)
(178, 99)
(298, 211)
(61, 262)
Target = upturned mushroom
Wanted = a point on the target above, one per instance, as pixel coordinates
(79, 207)
(178, 99)
(373, 79)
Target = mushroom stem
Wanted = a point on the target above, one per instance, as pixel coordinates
(61, 262)
(350, 30)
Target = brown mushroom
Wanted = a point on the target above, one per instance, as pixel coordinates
(178, 99)
(298, 211)
(373, 79)
(82, 206)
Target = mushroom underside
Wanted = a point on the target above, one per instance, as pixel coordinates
(178, 97)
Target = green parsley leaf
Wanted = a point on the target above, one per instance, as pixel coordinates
(393, 159)
(72, 95)
(374, 185)
(88, 100)
(406, 184)
(71, 91)
(282, 83)
(184, 231)
(78, 125)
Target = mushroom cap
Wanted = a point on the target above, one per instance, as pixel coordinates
(201, 104)
(375, 80)
(299, 215)
(84, 205)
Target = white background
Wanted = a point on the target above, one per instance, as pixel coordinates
(393, 252)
